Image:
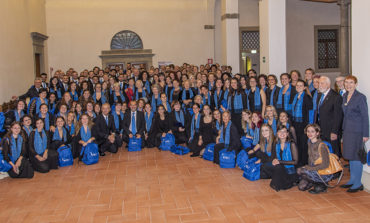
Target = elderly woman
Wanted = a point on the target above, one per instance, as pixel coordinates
(355, 131)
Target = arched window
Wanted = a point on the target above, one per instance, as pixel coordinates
(126, 39)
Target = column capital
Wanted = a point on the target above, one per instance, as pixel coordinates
(230, 16)
(344, 3)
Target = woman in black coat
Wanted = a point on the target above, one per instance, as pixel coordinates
(177, 123)
(228, 138)
(60, 136)
(85, 134)
(14, 152)
(355, 131)
(160, 127)
(42, 157)
(301, 106)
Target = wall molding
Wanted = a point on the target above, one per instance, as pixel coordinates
(230, 16)
(209, 26)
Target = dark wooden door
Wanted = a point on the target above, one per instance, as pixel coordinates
(37, 64)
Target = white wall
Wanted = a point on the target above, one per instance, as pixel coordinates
(302, 16)
(248, 13)
(17, 20)
(80, 29)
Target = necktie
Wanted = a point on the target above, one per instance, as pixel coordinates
(133, 124)
(341, 92)
(106, 119)
(318, 108)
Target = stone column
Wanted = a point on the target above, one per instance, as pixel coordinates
(272, 18)
(230, 34)
(344, 36)
(360, 58)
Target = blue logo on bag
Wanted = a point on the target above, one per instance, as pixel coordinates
(252, 170)
(134, 144)
(65, 156)
(90, 154)
(246, 142)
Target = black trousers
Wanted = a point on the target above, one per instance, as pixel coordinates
(106, 145)
(44, 166)
(25, 170)
(301, 143)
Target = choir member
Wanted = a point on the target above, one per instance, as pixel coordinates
(85, 134)
(160, 127)
(177, 123)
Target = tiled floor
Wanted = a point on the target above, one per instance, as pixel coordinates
(154, 186)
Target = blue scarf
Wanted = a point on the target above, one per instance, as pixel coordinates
(248, 130)
(264, 88)
(286, 156)
(216, 98)
(268, 153)
(78, 116)
(226, 94)
(148, 120)
(257, 99)
(314, 101)
(211, 85)
(238, 103)
(58, 92)
(297, 108)
(40, 144)
(147, 86)
(273, 124)
(195, 128)
(272, 96)
(217, 125)
(28, 130)
(256, 136)
(183, 95)
(115, 97)
(154, 103)
(17, 116)
(168, 105)
(180, 117)
(208, 101)
(85, 136)
(16, 148)
(57, 137)
(38, 103)
(117, 119)
(226, 141)
(311, 87)
(287, 107)
(171, 93)
(52, 108)
(71, 128)
(46, 121)
(102, 98)
(143, 93)
(74, 96)
(94, 115)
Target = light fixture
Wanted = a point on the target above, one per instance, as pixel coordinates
(253, 51)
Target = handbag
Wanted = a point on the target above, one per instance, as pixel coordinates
(90, 154)
(4, 166)
(167, 142)
(246, 142)
(134, 144)
(241, 159)
(227, 159)
(335, 166)
(209, 152)
(180, 150)
(65, 157)
(252, 170)
(362, 154)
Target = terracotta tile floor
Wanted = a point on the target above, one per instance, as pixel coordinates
(154, 186)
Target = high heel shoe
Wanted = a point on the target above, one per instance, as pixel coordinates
(345, 185)
(361, 188)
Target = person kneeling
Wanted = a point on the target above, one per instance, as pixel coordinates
(14, 152)
(106, 138)
(84, 136)
(263, 151)
(42, 157)
(133, 123)
(228, 138)
(309, 174)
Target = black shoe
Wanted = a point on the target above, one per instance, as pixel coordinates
(102, 154)
(361, 188)
(319, 188)
(194, 155)
(345, 185)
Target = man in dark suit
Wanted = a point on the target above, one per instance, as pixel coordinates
(133, 123)
(106, 137)
(64, 85)
(33, 92)
(330, 114)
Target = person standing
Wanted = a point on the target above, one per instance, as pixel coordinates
(355, 131)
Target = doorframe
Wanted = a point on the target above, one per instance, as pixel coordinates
(38, 41)
(243, 29)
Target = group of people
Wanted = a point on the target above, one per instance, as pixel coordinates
(287, 125)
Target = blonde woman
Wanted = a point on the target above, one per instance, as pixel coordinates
(271, 117)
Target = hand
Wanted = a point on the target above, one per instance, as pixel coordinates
(365, 139)
(16, 169)
(138, 136)
(52, 128)
(45, 156)
(170, 132)
(333, 136)
(111, 138)
(14, 98)
(40, 158)
(18, 163)
(275, 162)
(217, 139)
(163, 134)
(84, 144)
(181, 129)
(258, 161)
(251, 151)
(130, 135)
(249, 137)
(200, 142)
